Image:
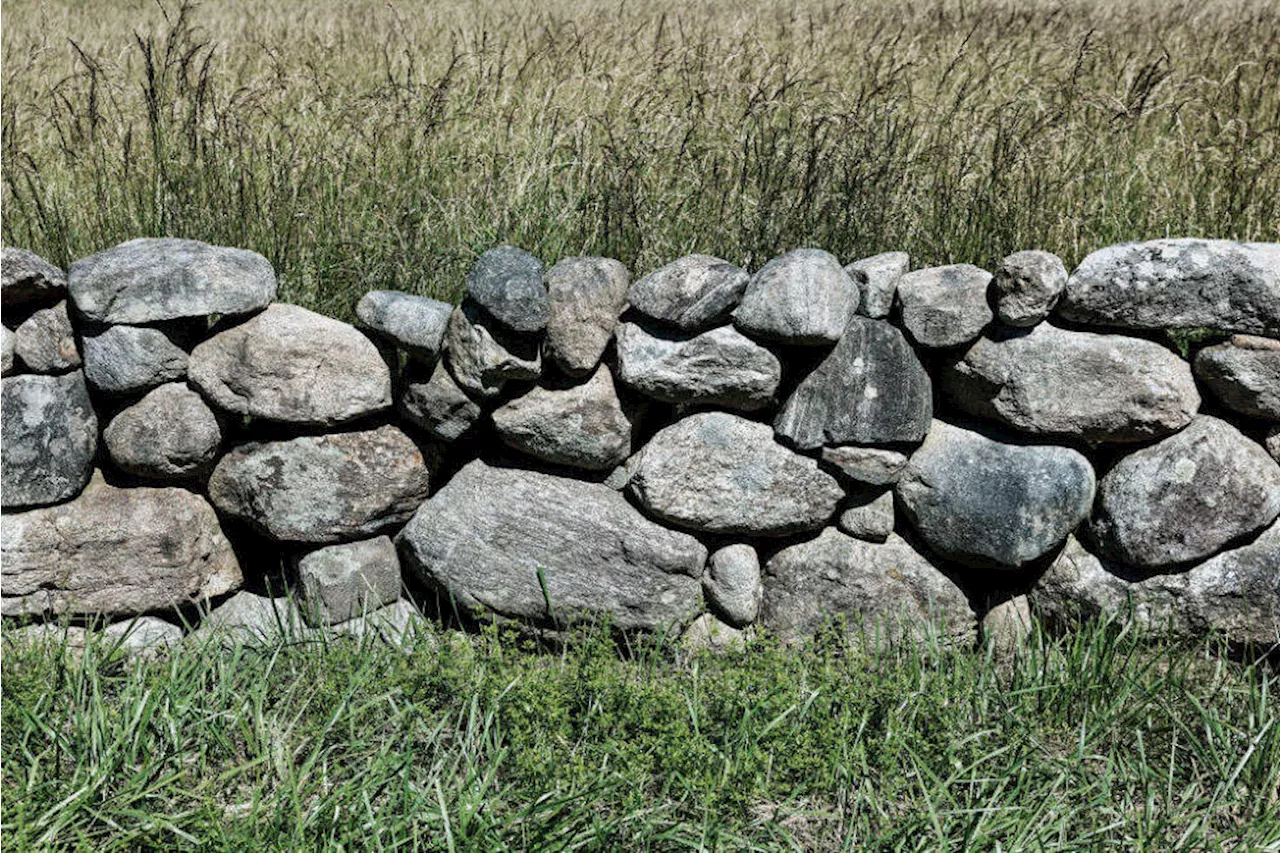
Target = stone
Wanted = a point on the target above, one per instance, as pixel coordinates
(877, 279)
(871, 389)
(1244, 373)
(415, 324)
(170, 434)
(145, 636)
(803, 297)
(984, 502)
(154, 279)
(707, 633)
(550, 550)
(692, 294)
(323, 488)
(117, 552)
(874, 466)
(945, 306)
(1027, 285)
(1186, 497)
(247, 618)
(720, 367)
(1178, 284)
(397, 624)
(342, 582)
(437, 405)
(1090, 387)
(291, 365)
(8, 350)
(1273, 442)
(27, 279)
(482, 359)
(587, 297)
(887, 590)
(719, 473)
(50, 436)
(583, 425)
(507, 283)
(868, 514)
(46, 342)
(1007, 626)
(129, 359)
(732, 584)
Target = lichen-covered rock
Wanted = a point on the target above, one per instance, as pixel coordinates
(507, 283)
(170, 434)
(415, 324)
(1244, 373)
(719, 473)
(129, 359)
(7, 351)
(50, 435)
(550, 550)
(720, 367)
(323, 489)
(484, 359)
(871, 389)
(983, 502)
(693, 293)
(875, 466)
(46, 342)
(1080, 385)
(868, 514)
(437, 405)
(945, 306)
(151, 280)
(583, 425)
(732, 584)
(342, 582)
(115, 551)
(803, 297)
(1027, 285)
(291, 365)
(877, 279)
(1186, 497)
(587, 296)
(27, 279)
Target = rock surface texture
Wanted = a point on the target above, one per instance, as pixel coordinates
(877, 278)
(587, 296)
(170, 434)
(27, 279)
(46, 343)
(732, 584)
(803, 297)
(437, 405)
(507, 283)
(583, 425)
(945, 306)
(129, 359)
(1244, 373)
(415, 324)
(342, 582)
(1027, 285)
(485, 359)
(50, 435)
(693, 293)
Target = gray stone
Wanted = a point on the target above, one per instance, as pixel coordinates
(875, 466)
(732, 584)
(720, 367)
(170, 434)
(877, 278)
(145, 636)
(1273, 442)
(50, 435)
(1080, 385)
(1186, 497)
(437, 405)
(415, 324)
(550, 550)
(981, 501)
(803, 297)
(583, 425)
(7, 351)
(250, 619)
(397, 624)
(342, 582)
(323, 489)
(482, 359)
(1244, 373)
(292, 365)
(151, 280)
(693, 293)
(115, 551)
(871, 389)
(587, 296)
(885, 589)
(46, 342)
(718, 473)
(1007, 626)
(707, 633)
(507, 283)
(945, 306)
(129, 359)
(27, 279)
(1183, 283)
(868, 514)
(1027, 285)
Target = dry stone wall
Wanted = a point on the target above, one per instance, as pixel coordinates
(703, 450)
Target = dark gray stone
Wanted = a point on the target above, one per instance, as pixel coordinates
(583, 425)
(437, 405)
(507, 283)
(803, 297)
(343, 582)
(874, 466)
(877, 278)
(945, 306)
(587, 296)
(867, 514)
(1244, 373)
(170, 434)
(415, 324)
(50, 437)
(483, 359)
(129, 359)
(27, 279)
(46, 342)
(732, 584)
(1027, 285)
(694, 293)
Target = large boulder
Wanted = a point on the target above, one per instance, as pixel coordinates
(323, 489)
(1244, 373)
(170, 434)
(129, 359)
(803, 297)
(877, 279)
(507, 283)
(1182, 283)
(587, 296)
(1079, 385)
(50, 435)
(342, 582)
(984, 502)
(719, 473)
(484, 357)
(720, 367)
(1186, 497)
(115, 551)
(437, 405)
(693, 293)
(550, 550)
(885, 589)
(732, 584)
(415, 324)
(152, 279)
(871, 389)
(945, 306)
(1027, 285)
(46, 343)
(27, 279)
(291, 365)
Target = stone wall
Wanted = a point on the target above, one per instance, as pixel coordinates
(704, 449)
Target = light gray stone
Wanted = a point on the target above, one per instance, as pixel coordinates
(718, 473)
(803, 297)
(46, 342)
(170, 434)
(437, 405)
(945, 306)
(877, 278)
(1244, 373)
(583, 425)
(7, 351)
(151, 280)
(693, 293)
(129, 359)
(1186, 497)
(732, 584)
(1027, 285)
(50, 435)
(1007, 626)
(342, 582)
(1273, 442)
(507, 283)
(587, 296)
(145, 636)
(415, 324)
(325, 488)
(291, 365)
(875, 466)
(868, 514)
(250, 619)
(27, 279)
(397, 624)
(983, 502)
(551, 550)
(484, 359)
(707, 633)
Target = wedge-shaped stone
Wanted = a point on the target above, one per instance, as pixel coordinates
(693, 293)
(26, 279)
(46, 343)
(877, 278)
(583, 425)
(587, 296)
(50, 437)
(415, 324)
(437, 405)
(484, 359)
(803, 297)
